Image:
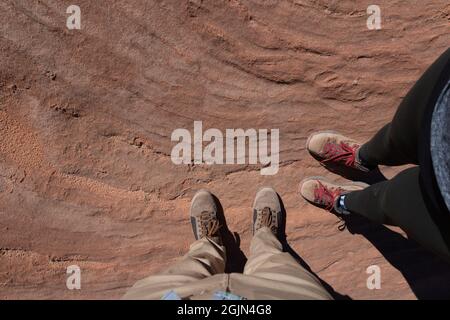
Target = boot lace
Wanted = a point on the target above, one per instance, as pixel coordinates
(208, 224)
(265, 219)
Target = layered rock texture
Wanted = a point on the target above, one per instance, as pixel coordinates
(86, 118)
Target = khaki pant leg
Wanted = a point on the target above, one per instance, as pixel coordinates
(205, 258)
(271, 273)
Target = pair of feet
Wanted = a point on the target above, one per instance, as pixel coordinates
(206, 223)
(332, 148)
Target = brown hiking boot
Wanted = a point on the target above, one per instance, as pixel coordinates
(267, 211)
(204, 220)
(333, 148)
(326, 194)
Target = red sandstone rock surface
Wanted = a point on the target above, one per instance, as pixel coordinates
(86, 118)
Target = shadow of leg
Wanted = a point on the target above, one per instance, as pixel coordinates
(371, 177)
(288, 248)
(235, 257)
(427, 275)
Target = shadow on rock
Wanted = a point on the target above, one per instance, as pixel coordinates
(235, 257)
(427, 275)
(287, 248)
(371, 177)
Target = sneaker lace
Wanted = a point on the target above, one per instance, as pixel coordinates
(208, 226)
(326, 196)
(340, 152)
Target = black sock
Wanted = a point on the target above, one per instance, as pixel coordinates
(363, 162)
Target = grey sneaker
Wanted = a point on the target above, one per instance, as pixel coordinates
(334, 148)
(204, 220)
(326, 194)
(267, 211)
